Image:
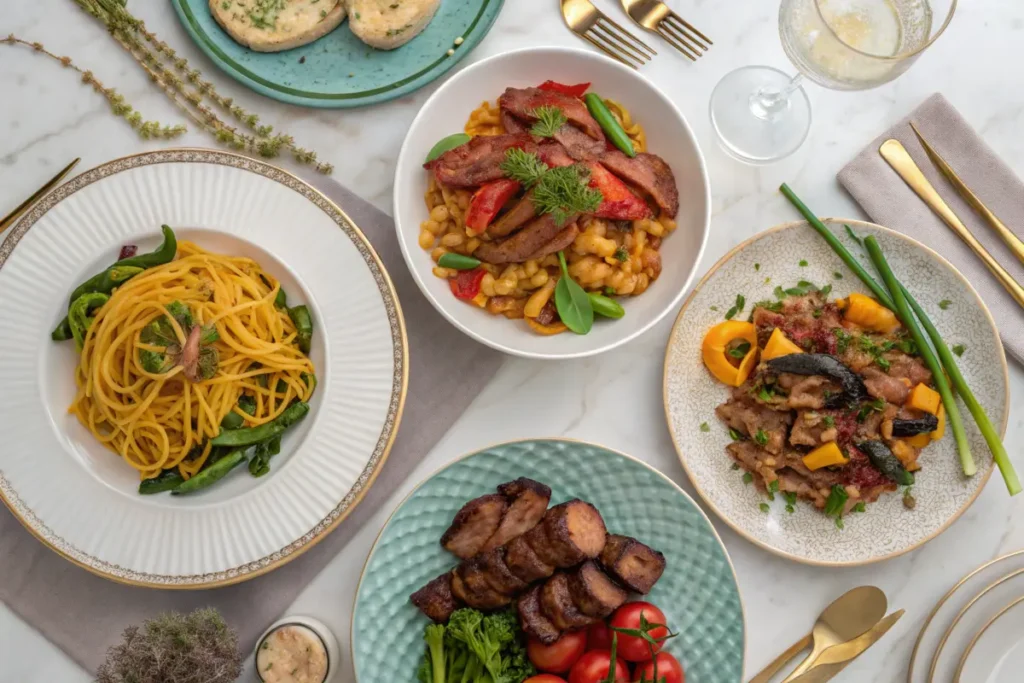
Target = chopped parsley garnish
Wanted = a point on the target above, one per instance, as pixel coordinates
(773, 306)
(740, 351)
(549, 120)
(816, 313)
(958, 349)
(859, 507)
(747, 477)
(714, 308)
(875, 405)
(836, 501)
(945, 303)
(853, 235)
(705, 427)
(766, 393)
(735, 436)
(523, 166)
(780, 293)
(829, 421)
(734, 466)
(773, 488)
(790, 497)
(761, 437)
(757, 266)
(608, 291)
(741, 301)
(621, 255)
(790, 508)
(837, 275)
(842, 339)
(765, 508)
(803, 263)
(840, 524)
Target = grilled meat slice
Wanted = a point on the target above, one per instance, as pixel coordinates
(497, 573)
(578, 144)
(593, 592)
(810, 428)
(649, 173)
(557, 605)
(631, 563)
(570, 533)
(747, 416)
(478, 161)
(474, 524)
(554, 155)
(523, 561)
(523, 102)
(519, 246)
(471, 587)
(513, 125)
(885, 387)
(532, 619)
(522, 211)
(527, 503)
(436, 599)
(559, 242)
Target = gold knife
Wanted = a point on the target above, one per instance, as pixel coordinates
(898, 157)
(1012, 241)
(8, 220)
(836, 658)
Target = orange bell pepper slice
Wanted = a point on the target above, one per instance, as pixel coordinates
(715, 355)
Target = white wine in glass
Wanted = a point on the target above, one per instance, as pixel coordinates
(761, 114)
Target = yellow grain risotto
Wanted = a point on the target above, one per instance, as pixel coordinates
(547, 173)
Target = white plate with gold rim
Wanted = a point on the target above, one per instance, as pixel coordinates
(996, 653)
(960, 615)
(784, 255)
(79, 498)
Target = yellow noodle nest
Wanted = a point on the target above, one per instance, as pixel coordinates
(520, 290)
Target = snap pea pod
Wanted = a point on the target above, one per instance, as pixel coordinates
(605, 306)
(211, 475)
(281, 300)
(303, 326)
(311, 383)
(168, 480)
(79, 318)
(253, 435)
(457, 261)
(232, 421)
(259, 463)
(609, 124)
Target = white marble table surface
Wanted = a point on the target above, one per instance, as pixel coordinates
(47, 118)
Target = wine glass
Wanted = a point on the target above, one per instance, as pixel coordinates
(761, 114)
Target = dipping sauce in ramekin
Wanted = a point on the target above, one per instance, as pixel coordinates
(292, 652)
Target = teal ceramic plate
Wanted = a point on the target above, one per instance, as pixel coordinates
(339, 70)
(698, 591)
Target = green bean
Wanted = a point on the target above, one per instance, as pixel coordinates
(457, 261)
(232, 421)
(602, 305)
(209, 476)
(168, 480)
(78, 315)
(63, 331)
(247, 404)
(259, 464)
(604, 117)
(254, 435)
(310, 380)
(303, 326)
(163, 254)
(281, 300)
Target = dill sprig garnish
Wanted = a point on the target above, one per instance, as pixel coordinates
(549, 120)
(563, 192)
(523, 166)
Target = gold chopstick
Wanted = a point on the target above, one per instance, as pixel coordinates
(899, 158)
(8, 220)
(1012, 241)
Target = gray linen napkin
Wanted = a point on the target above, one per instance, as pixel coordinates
(890, 202)
(84, 614)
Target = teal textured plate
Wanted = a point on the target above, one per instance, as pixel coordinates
(698, 591)
(339, 70)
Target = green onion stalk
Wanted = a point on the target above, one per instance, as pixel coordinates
(988, 431)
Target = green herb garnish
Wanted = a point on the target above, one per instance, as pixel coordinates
(747, 477)
(734, 466)
(853, 235)
(837, 275)
(875, 405)
(572, 303)
(945, 303)
(773, 306)
(836, 501)
(621, 255)
(757, 266)
(549, 121)
(773, 488)
(829, 421)
(765, 508)
(735, 436)
(523, 166)
(761, 437)
(563, 192)
(803, 263)
(843, 339)
(705, 427)
(739, 352)
(840, 524)
(958, 349)
(859, 507)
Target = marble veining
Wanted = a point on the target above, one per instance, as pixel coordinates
(49, 117)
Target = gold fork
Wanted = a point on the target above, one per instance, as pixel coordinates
(656, 16)
(591, 24)
(9, 220)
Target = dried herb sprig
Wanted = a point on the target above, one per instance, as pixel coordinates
(118, 105)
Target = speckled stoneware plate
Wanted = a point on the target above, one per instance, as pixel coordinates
(339, 70)
(81, 499)
(698, 591)
(887, 529)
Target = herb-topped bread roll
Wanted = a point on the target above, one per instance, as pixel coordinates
(276, 25)
(387, 24)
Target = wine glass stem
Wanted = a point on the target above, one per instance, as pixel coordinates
(771, 103)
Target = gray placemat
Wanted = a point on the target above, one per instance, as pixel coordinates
(890, 202)
(84, 614)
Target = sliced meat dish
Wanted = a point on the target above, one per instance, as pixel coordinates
(527, 502)
(478, 161)
(559, 242)
(554, 155)
(806, 391)
(519, 246)
(474, 524)
(633, 564)
(512, 125)
(570, 533)
(747, 416)
(532, 618)
(557, 605)
(436, 599)
(578, 144)
(521, 212)
(649, 173)
(492, 564)
(813, 428)
(523, 562)
(593, 592)
(881, 385)
(471, 587)
(908, 367)
(522, 102)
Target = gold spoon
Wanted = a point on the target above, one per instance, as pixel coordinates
(849, 616)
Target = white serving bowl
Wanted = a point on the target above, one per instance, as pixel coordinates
(668, 135)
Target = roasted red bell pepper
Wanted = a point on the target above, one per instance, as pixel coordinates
(572, 90)
(619, 201)
(487, 201)
(466, 284)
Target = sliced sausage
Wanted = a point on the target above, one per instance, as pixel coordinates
(474, 524)
(497, 573)
(559, 242)
(558, 607)
(523, 562)
(573, 532)
(532, 619)
(436, 599)
(593, 592)
(631, 563)
(527, 502)
(522, 244)
(470, 586)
